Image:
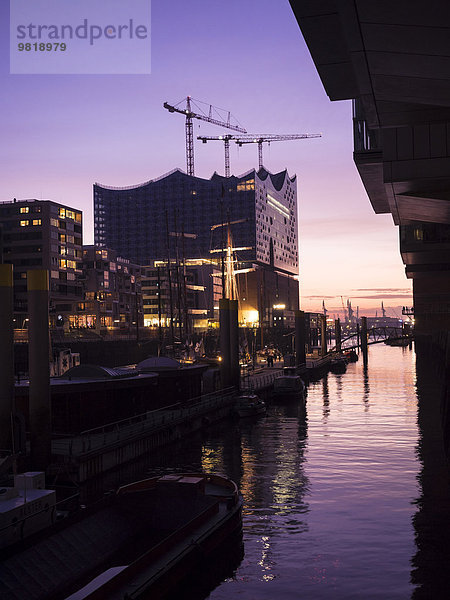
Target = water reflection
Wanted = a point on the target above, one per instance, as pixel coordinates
(326, 398)
(432, 520)
(335, 514)
(366, 386)
(340, 501)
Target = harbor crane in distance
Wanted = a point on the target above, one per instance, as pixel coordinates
(212, 114)
(258, 138)
(344, 309)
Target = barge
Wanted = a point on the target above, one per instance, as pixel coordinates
(141, 542)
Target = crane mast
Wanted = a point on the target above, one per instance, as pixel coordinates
(213, 115)
(252, 139)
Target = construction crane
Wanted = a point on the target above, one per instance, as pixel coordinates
(252, 139)
(344, 309)
(214, 115)
(226, 142)
(261, 138)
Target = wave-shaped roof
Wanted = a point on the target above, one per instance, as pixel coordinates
(277, 179)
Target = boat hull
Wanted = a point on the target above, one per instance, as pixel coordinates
(144, 540)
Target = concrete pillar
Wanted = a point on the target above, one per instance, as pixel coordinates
(235, 371)
(323, 330)
(224, 323)
(300, 338)
(39, 369)
(6, 357)
(364, 346)
(337, 334)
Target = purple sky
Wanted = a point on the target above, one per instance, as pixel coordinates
(61, 133)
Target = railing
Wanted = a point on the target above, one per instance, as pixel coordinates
(375, 335)
(364, 138)
(260, 380)
(150, 421)
(19, 526)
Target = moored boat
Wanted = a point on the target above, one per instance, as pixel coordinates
(351, 355)
(404, 341)
(338, 364)
(289, 385)
(141, 541)
(249, 405)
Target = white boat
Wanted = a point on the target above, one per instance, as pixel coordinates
(249, 405)
(25, 508)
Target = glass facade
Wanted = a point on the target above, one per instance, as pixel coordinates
(180, 215)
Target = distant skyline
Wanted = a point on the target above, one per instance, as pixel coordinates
(62, 133)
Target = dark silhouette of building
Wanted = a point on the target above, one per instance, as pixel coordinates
(391, 58)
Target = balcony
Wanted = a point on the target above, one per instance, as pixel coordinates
(425, 247)
(368, 157)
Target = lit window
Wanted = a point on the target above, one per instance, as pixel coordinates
(62, 263)
(24, 209)
(37, 222)
(62, 213)
(78, 217)
(71, 264)
(418, 234)
(54, 222)
(70, 214)
(24, 223)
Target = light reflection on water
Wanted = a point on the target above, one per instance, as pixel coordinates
(330, 493)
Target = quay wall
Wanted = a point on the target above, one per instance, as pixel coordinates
(95, 452)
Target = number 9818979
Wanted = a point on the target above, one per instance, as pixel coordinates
(41, 47)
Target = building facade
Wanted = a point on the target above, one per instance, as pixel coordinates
(178, 216)
(391, 59)
(41, 234)
(191, 303)
(112, 292)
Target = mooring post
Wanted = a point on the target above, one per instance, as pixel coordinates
(323, 334)
(224, 323)
(337, 334)
(39, 369)
(6, 357)
(358, 336)
(235, 370)
(364, 339)
(300, 338)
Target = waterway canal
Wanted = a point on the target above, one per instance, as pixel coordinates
(346, 499)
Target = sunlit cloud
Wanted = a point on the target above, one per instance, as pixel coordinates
(382, 293)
